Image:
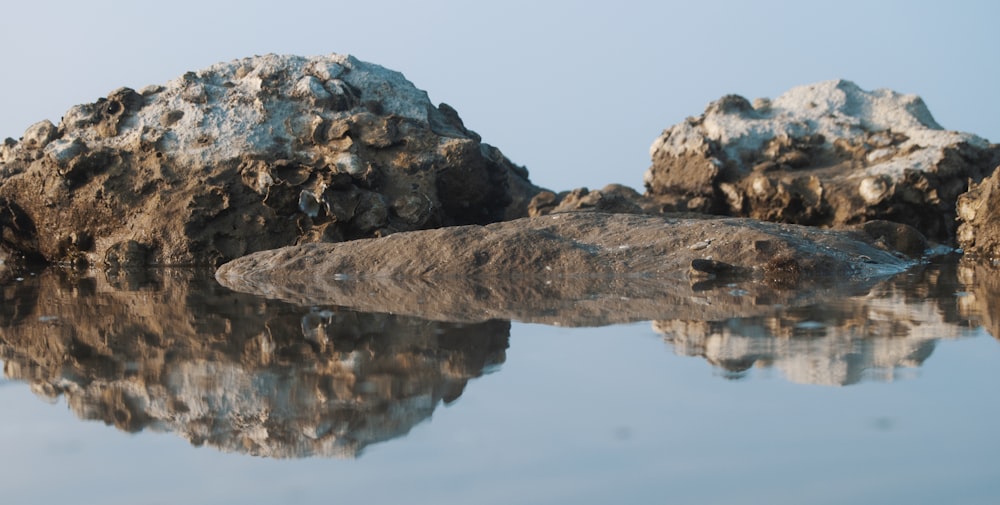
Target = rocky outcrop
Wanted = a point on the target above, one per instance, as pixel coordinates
(612, 198)
(882, 334)
(979, 213)
(248, 155)
(592, 268)
(174, 352)
(827, 154)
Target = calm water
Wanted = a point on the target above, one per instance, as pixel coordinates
(165, 387)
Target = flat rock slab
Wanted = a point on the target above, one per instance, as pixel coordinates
(579, 268)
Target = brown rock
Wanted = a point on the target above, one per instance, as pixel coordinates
(613, 198)
(979, 213)
(245, 156)
(575, 268)
(827, 154)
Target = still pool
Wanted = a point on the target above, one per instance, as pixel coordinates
(167, 388)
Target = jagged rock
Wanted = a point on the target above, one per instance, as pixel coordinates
(248, 155)
(979, 213)
(172, 351)
(573, 268)
(826, 154)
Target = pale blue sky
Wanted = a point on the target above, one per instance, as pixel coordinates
(576, 91)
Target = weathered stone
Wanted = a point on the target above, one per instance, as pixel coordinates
(827, 154)
(250, 155)
(588, 264)
(612, 198)
(38, 135)
(979, 213)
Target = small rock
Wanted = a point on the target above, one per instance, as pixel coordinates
(612, 198)
(897, 237)
(38, 135)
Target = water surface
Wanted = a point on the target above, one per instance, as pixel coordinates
(164, 387)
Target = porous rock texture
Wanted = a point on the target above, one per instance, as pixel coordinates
(825, 154)
(979, 213)
(248, 155)
(582, 268)
(170, 350)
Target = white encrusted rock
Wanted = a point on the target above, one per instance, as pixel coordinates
(877, 155)
(212, 164)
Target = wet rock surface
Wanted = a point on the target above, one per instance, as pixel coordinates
(592, 268)
(243, 156)
(827, 154)
(172, 351)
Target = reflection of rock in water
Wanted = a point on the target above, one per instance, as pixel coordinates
(871, 337)
(981, 298)
(176, 352)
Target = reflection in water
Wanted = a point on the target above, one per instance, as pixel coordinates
(171, 350)
(557, 300)
(176, 352)
(981, 295)
(875, 336)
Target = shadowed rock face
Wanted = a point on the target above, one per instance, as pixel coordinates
(243, 156)
(175, 352)
(577, 268)
(826, 154)
(979, 213)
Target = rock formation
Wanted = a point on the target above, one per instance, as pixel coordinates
(979, 213)
(244, 156)
(566, 267)
(175, 352)
(827, 154)
(612, 198)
